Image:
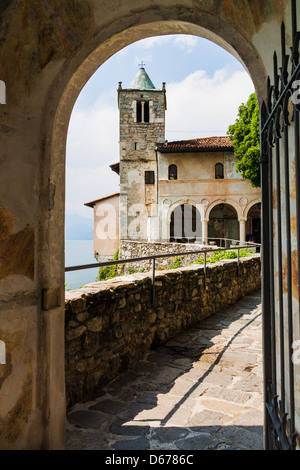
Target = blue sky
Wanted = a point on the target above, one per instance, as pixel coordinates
(205, 86)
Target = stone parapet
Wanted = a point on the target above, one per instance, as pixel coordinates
(111, 325)
(136, 249)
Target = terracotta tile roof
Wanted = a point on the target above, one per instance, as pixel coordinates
(205, 144)
(92, 203)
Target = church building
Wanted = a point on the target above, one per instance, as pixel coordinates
(184, 191)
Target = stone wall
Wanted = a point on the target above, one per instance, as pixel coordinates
(110, 325)
(135, 249)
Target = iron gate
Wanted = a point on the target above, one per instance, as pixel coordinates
(281, 242)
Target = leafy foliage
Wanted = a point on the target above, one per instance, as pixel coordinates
(108, 272)
(246, 140)
(177, 263)
(220, 255)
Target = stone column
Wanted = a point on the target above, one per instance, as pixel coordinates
(242, 230)
(205, 230)
(143, 111)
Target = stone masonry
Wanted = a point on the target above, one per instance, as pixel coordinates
(137, 155)
(201, 390)
(136, 249)
(111, 325)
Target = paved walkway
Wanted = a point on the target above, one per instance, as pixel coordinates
(202, 390)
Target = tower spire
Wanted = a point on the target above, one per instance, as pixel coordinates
(142, 80)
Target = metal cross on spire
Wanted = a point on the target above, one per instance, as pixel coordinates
(142, 65)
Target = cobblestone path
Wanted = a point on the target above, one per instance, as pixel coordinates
(202, 390)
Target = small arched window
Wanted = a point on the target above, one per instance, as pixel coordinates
(146, 112)
(219, 171)
(172, 172)
(138, 111)
(142, 111)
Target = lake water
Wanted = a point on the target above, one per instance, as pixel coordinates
(79, 252)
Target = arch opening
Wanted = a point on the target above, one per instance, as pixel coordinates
(185, 224)
(70, 85)
(112, 32)
(253, 224)
(141, 109)
(172, 173)
(219, 171)
(223, 223)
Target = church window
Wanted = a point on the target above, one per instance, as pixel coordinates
(146, 111)
(138, 111)
(172, 172)
(219, 171)
(149, 177)
(142, 111)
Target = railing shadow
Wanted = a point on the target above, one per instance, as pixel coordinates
(130, 402)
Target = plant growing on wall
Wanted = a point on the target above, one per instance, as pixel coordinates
(222, 255)
(108, 272)
(246, 140)
(176, 263)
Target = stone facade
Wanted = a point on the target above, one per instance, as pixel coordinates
(146, 208)
(149, 208)
(113, 324)
(197, 186)
(138, 140)
(132, 249)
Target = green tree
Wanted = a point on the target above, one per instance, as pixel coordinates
(246, 140)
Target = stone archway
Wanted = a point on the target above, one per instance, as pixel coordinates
(185, 224)
(113, 44)
(223, 224)
(253, 223)
(47, 55)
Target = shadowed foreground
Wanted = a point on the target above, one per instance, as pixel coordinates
(203, 390)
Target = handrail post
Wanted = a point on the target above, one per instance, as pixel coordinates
(153, 280)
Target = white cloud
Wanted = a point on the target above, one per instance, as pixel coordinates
(183, 41)
(93, 144)
(203, 106)
(148, 43)
(93, 134)
(86, 184)
(186, 42)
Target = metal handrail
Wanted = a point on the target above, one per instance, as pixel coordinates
(166, 255)
(150, 257)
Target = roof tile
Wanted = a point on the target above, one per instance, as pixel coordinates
(198, 145)
(92, 203)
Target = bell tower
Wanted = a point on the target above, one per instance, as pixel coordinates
(142, 126)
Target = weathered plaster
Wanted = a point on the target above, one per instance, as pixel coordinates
(16, 249)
